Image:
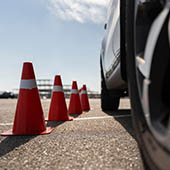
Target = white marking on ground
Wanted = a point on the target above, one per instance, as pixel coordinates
(6, 124)
(83, 118)
(103, 117)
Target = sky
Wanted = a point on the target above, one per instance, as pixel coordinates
(57, 36)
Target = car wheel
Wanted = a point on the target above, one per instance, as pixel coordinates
(148, 70)
(108, 101)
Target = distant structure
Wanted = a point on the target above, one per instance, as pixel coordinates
(67, 89)
(93, 94)
(45, 87)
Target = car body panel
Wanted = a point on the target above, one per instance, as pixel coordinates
(110, 51)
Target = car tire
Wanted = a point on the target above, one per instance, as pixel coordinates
(108, 101)
(148, 144)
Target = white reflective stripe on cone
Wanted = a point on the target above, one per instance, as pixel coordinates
(74, 91)
(28, 84)
(57, 89)
(83, 92)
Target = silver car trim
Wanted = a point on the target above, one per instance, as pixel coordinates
(151, 43)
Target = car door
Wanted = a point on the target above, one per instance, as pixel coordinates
(112, 35)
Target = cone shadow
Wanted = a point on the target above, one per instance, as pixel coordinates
(57, 123)
(12, 142)
(54, 123)
(75, 115)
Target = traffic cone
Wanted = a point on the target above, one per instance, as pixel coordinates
(80, 90)
(84, 99)
(29, 119)
(80, 94)
(75, 104)
(58, 108)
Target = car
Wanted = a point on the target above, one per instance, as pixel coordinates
(144, 66)
(112, 84)
(6, 94)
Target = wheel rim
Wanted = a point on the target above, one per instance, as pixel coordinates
(152, 53)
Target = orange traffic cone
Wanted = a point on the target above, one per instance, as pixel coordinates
(75, 104)
(58, 108)
(84, 99)
(29, 119)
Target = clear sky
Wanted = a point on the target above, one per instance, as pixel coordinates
(58, 36)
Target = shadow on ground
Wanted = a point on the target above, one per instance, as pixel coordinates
(55, 124)
(119, 112)
(75, 115)
(124, 118)
(12, 142)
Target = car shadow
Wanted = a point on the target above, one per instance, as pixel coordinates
(124, 118)
(119, 112)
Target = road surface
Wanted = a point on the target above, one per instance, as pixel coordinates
(93, 141)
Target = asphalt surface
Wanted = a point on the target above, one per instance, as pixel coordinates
(93, 141)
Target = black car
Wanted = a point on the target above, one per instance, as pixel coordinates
(6, 95)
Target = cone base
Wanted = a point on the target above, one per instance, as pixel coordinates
(10, 133)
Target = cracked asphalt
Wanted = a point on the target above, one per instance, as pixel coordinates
(92, 141)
